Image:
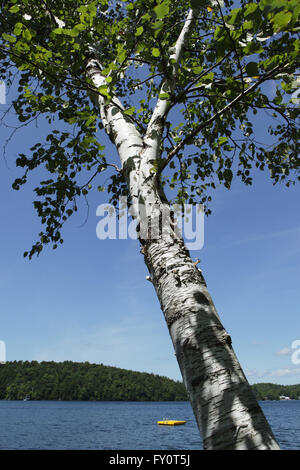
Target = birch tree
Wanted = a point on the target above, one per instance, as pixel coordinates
(175, 86)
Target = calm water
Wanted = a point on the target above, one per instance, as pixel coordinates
(121, 425)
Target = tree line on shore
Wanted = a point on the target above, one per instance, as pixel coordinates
(84, 381)
(269, 391)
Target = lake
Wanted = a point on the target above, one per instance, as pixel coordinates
(69, 425)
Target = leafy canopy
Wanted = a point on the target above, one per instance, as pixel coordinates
(209, 135)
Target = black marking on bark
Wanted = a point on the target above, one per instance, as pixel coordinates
(200, 277)
(162, 271)
(254, 408)
(238, 428)
(177, 280)
(171, 315)
(201, 298)
(227, 339)
(198, 380)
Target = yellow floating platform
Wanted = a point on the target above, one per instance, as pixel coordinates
(171, 422)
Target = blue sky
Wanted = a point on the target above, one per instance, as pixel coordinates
(89, 300)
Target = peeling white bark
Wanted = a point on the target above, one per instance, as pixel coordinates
(224, 405)
(155, 127)
(122, 132)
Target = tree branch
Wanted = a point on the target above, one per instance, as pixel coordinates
(155, 126)
(186, 140)
(58, 23)
(234, 46)
(202, 74)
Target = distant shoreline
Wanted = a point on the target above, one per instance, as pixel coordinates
(125, 401)
(82, 381)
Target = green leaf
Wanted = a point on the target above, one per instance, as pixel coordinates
(77, 29)
(197, 69)
(14, 9)
(90, 120)
(222, 140)
(235, 16)
(139, 31)
(228, 177)
(278, 99)
(253, 48)
(8, 37)
(103, 90)
(58, 31)
(269, 5)
(218, 32)
(130, 111)
(199, 3)
(146, 17)
(157, 25)
(208, 78)
(251, 8)
(252, 69)
(248, 25)
(162, 10)
(121, 55)
(18, 29)
(26, 34)
(164, 96)
(281, 20)
(155, 52)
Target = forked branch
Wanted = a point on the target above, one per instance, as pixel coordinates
(188, 138)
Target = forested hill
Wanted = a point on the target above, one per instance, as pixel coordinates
(84, 381)
(269, 391)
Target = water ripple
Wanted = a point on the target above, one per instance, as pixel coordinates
(121, 425)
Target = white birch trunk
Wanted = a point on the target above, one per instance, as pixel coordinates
(226, 411)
